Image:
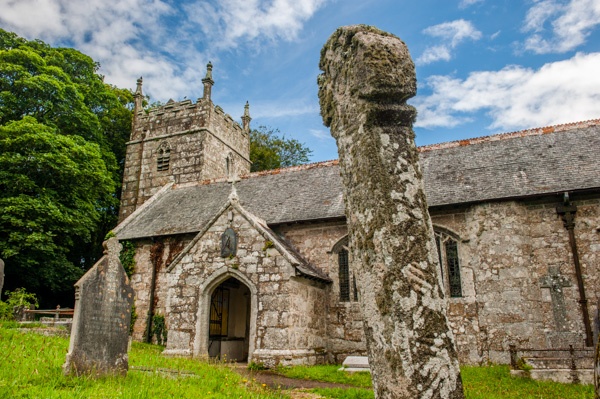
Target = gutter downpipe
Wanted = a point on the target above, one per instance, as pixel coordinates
(567, 212)
(148, 334)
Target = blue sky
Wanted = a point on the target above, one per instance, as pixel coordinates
(483, 66)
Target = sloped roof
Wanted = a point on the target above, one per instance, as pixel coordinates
(300, 264)
(525, 163)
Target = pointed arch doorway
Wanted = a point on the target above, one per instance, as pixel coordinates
(229, 321)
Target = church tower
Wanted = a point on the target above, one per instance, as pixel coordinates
(182, 142)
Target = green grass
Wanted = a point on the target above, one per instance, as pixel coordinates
(339, 393)
(328, 373)
(30, 367)
(495, 382)
(492, 382)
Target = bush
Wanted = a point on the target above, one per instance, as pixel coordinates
(17, 301)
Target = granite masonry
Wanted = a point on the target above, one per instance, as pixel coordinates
(288, 294)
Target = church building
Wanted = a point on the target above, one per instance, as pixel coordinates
(255, 267)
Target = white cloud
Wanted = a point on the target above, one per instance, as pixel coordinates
(233, 20)
(516, 97)
(467, 3)
(451, 35)
(281, 109)
(570, 23)
(434, 53)
(131, 38)
(320, 134)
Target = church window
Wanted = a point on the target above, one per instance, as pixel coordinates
(346, 278)
(447, 247)
(344, 275)
(163, 159)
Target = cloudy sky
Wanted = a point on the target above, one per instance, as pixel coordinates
(483, 66)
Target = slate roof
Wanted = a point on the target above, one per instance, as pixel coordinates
(530, 162)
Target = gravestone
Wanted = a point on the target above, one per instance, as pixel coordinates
(100, 331)
(367, 77)
(556, 282)
(1, 276)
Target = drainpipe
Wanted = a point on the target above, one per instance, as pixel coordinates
(567, 212)
(148, 334)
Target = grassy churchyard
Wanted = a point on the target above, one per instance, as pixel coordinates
(30, 367)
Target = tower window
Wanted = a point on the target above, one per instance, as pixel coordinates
(163, 159)
(447, 247)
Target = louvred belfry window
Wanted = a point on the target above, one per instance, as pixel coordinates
(163, 159)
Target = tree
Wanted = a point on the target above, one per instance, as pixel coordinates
(52, 188)
(269, 151)
(58, 92)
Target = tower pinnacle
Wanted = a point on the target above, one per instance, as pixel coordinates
(208, 82)
(246, 118)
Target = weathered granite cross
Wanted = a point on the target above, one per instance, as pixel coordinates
(556, 282)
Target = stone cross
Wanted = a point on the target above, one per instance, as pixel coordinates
(556, 282)
(1, 276)
(367, 77)
(100, 331)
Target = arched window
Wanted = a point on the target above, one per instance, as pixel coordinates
(347, 288)
(344, 275)
(164, 157)
(447, 247)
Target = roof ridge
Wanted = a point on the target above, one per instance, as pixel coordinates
(510, 135)
(537, 131)
(295, 168)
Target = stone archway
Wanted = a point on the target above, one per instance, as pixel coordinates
(226, 321)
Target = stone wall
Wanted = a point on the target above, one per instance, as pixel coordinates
(199, 137)
(287, 319)
(316, 241)
(153, 256)
(506, 252)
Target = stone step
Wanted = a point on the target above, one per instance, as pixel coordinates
(356, 363)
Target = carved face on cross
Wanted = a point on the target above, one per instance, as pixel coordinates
(387, 76)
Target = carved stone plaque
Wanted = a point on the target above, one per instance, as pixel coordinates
(228, 243)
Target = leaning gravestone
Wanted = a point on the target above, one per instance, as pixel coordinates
(100, 331)
(367, 77)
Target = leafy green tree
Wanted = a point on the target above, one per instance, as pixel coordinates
(52, 188)
(57, 92)
(269, 151)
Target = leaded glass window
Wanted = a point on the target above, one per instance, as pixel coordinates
(344, 275)
(447, 247)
